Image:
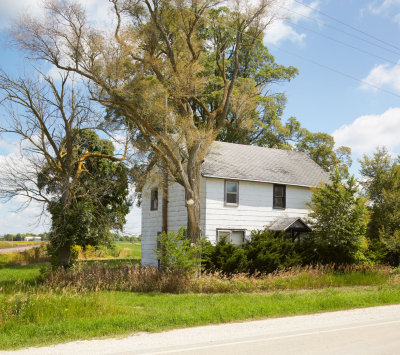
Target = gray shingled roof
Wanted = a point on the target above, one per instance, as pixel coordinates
(245, 162)
(284, 223)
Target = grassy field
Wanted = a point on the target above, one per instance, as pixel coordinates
(134, 249)
(32, 315)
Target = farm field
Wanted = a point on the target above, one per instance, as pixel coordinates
(12, 244)
(135, 249)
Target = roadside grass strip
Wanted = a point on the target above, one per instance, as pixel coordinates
(34, 315)
(48, 318)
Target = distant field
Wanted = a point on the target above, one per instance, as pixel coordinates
(8, 244)
(135, 249)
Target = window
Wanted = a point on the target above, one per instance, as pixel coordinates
(154, 200)
(279, 196)
(231, 193)
(235, 237)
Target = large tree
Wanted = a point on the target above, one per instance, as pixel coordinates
(381, 182)
(101, 192)
(62, 164)
(256, 118)
(158, 68)
(339, 218)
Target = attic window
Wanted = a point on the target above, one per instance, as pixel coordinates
(231, 193)
(154, 200)
(280, 196)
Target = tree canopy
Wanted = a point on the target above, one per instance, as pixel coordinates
(339, 218)
(159, 68)
(381, 182)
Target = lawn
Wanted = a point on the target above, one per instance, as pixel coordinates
(31, 315)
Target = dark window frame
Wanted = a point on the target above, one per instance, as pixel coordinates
(152, 206)
(226, 203)
(275, 206)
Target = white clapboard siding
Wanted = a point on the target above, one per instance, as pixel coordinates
(254, 210)
(151, 224)
(152, 220)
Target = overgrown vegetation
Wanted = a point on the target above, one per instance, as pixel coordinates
(91, 300)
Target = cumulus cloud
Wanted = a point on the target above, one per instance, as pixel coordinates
(368, 132)
(383, 75)
(386, 8)
(281, 30)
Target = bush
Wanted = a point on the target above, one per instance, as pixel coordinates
(265, 253)
(224, 257)
(175, 252)
(269, 251)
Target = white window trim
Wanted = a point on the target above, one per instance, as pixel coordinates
(237, 194)
(230, 234)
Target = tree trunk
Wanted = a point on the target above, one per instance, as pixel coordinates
(193, 203)
(64, 255)
(164, 228)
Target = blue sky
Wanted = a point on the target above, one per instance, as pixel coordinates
(341, 89)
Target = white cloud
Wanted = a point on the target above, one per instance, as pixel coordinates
(368, 132)
(378, 7)
(383, 75)
(384, 8)
(293, 11)
(13, 220)
(98, 10)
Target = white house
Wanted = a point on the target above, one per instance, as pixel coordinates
(242, 188)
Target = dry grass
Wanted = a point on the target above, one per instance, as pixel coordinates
(134, 278)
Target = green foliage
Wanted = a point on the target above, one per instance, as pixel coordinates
(175, 251)
(255, 116)
(339, 218)
(224, 257)
(382, 184)
(97, 203)
(266, 252)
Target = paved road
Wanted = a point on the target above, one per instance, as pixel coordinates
(17, 249)
(367, 331)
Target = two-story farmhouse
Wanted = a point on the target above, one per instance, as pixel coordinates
(243, 188)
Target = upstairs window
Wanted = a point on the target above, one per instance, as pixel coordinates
(231, 193)
(280, 196)
(154, 200)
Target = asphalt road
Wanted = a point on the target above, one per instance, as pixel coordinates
(364, 331)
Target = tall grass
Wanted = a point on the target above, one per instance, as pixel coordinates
(134, 278)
